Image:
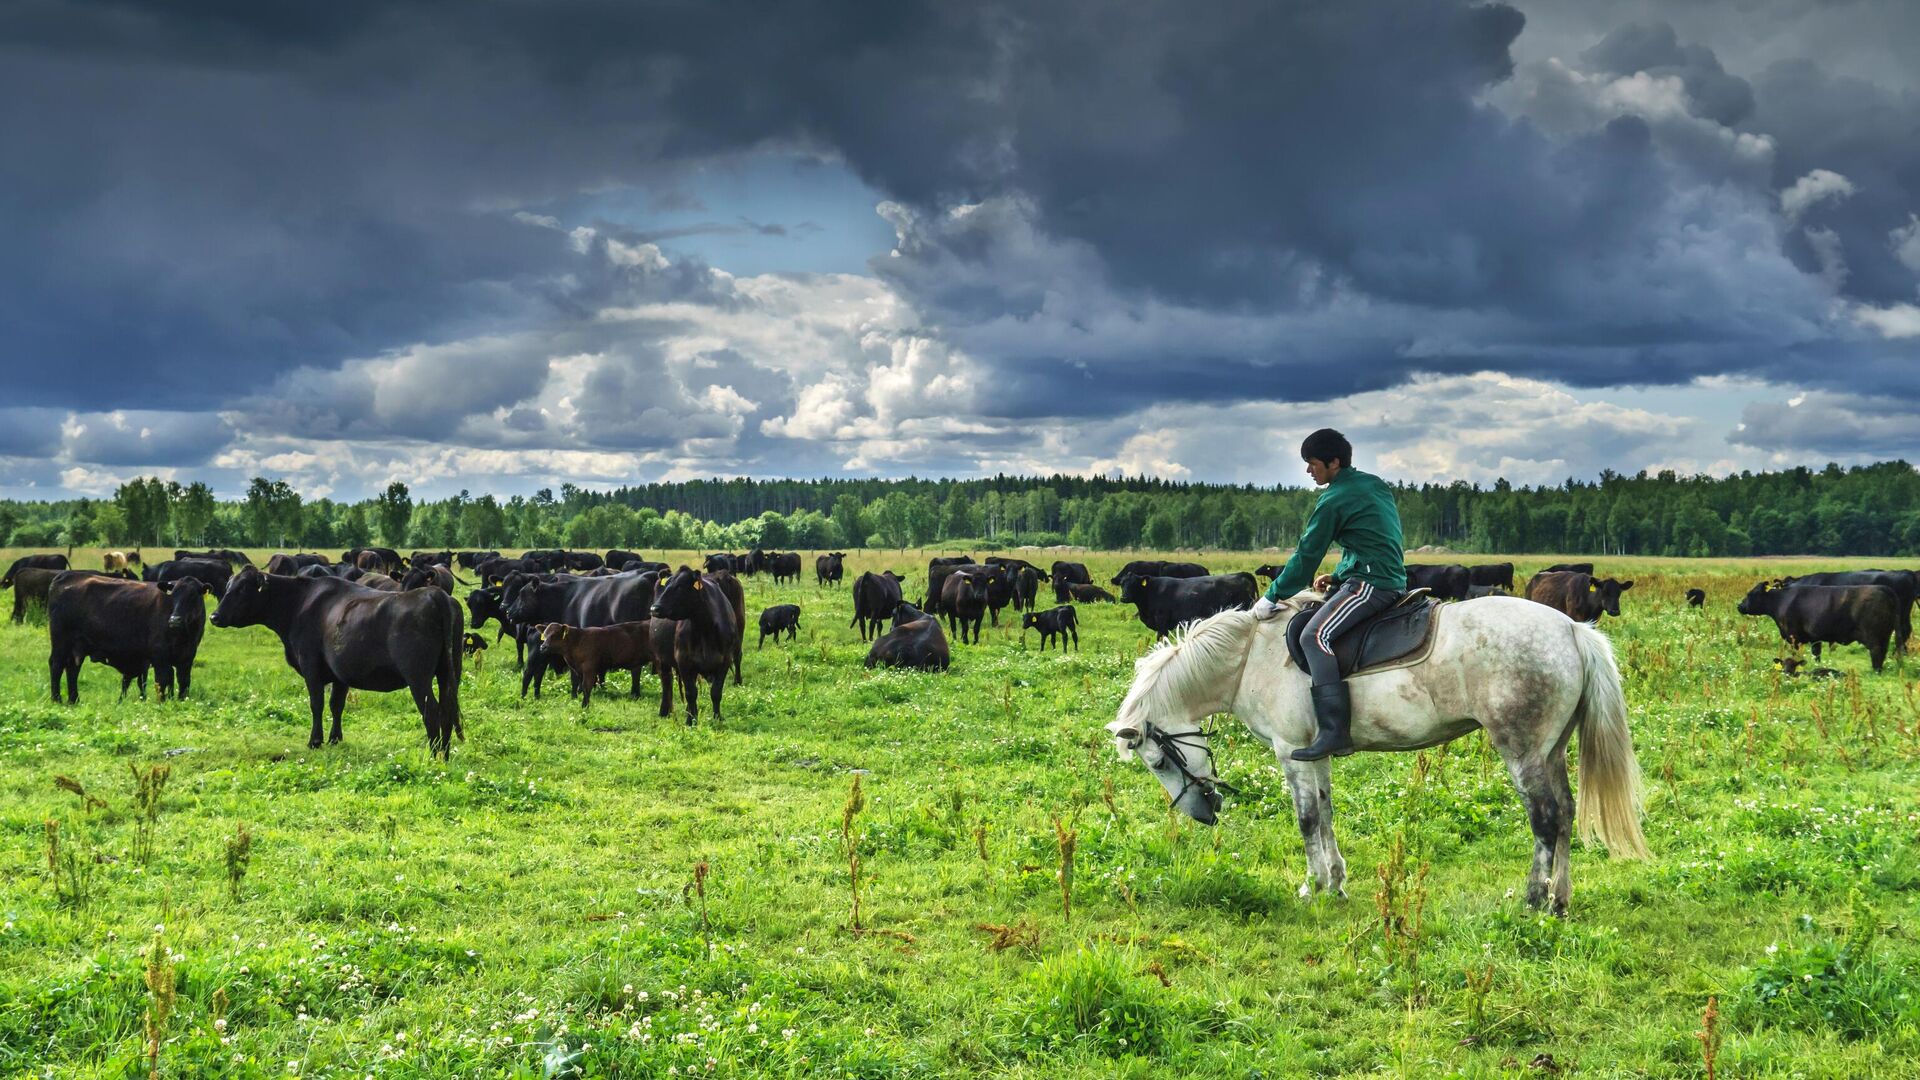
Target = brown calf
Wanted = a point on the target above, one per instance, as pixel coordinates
(590, 652)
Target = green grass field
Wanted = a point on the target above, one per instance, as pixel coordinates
(529, 908)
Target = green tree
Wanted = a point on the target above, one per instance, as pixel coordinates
(1236, 533)
(354, 531)
(393, 509)
(850, 516)
(143, 505)
(483, 524)
(110, 524)
(1162, 530)
(272, 511)
(193, 511)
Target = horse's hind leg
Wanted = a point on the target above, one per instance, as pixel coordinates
(1544, 790)
(1311, 783)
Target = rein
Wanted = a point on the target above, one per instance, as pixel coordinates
(1170, 745)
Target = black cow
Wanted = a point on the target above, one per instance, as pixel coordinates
(643, 566)
(1014, 566)
(619, 557)
(1158, 568)
(1569, 568)
(938, 571)
(915, 641)
(1696, 597)
(1268, 570)
(700, 625)
(1061, 621)
(580, 601)
(963, 599)
(1026, 588)
(1902, 582)
(128, 625)
(1579, 597)
(543, 561)
(471, 560)
(1448, 582)
(486, 603)
(380, 559)
(539, 663)
(950, 560)
(339, 635)
(580, 562)
(438, 558)
(753, 562)
(777, 618)
(33, 562)
(435, 577)
(784, 565)
(830, 568)
(30, 586)
(288, 565)
(494, 571)
(1074, 573)
(1500, 573)
(721, 560)
(1837, 614)
(212, 573)
(1164, 603)
(377, 582)
(1476, 592)
(875, 598)
(238, 559)
(1083, 594)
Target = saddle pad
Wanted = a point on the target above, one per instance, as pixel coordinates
(1400, 636)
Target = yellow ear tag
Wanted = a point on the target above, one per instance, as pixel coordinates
(697, 584)
(1591, 587)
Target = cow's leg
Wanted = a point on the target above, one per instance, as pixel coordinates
(316, 700)
(1311, 784)
(666, 690)
(163, 679)
(635, 671)
(438, 737)
(339, 705)
(1816, 651)
(1073, 629)
(715, 687)
(589, 678)
(126, 680)
(739, 653)
(690, 689)
(183, 673)
(143, 682)
(763, 641)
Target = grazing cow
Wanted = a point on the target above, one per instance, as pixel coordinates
(1061, 621)
(1164, 603)
(643, 566)
(33, 562)
(1158, 568)
(484, 604)
(1569, 568)
(785, 566)
(1026, 588)
(915, 641)
(1579, 597)
(473, 647)
(591, 652)
(494, 571)
(377, 582)
(433, 558)
(777, 618)
(214, 574)
(237, 559)
(1837, 614)
(720, 560)
(1084, 594)
(580, 562)
(337, 634)
(1902, 582)
(128, 625)
(693, 612)
(470, 560)
(829, 568)
(543, 562)
(1696, 597)
(1074, 573)
(963, 599)
(950, 560)
(1448, 582)
(119, 560)
(875, 598)
(377, 559)
(620, 557)
(433, 576)
(1014, 566)
(1475, 592)
(1500, 573)
(30, 586)
(754, 561)
(289, 565)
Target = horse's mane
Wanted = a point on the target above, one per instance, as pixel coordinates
(1194, 657)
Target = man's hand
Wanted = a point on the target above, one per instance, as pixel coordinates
(1323, 583)
(1265, 609)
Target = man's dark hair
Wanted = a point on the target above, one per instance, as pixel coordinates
(1327, 445)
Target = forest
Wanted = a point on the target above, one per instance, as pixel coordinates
(1863, 510)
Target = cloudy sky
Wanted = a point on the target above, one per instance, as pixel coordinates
(503, 245)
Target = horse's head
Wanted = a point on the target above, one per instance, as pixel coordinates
(1194, 675)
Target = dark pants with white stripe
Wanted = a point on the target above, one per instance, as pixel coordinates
(1350, 605)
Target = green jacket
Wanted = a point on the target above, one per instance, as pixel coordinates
(1357, 512)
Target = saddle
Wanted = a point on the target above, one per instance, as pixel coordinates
(1401, 636)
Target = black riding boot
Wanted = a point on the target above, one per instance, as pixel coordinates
(1333, 713)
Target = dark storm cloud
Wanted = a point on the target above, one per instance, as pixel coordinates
(1655, 49)
(1832, 424)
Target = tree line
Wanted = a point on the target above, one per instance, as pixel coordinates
(1864, 510)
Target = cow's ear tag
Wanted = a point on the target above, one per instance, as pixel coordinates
(697, 585)
(1591, 587)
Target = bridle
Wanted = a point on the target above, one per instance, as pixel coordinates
(1170, 744)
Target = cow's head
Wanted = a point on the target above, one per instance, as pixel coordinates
(553, 635)
(1606, 592)
(525, 597)
(1133, 588)
(247, 601)
(1755, 602)
(1029, 621)
(484, 604)
(678, 595)
(188, 609)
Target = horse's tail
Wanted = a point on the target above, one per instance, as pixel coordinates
(1609, 810)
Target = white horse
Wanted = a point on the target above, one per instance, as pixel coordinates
(1526, 673)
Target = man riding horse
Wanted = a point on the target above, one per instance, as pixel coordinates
(1356, 510)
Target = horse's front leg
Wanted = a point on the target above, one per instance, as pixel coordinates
(1311, 783)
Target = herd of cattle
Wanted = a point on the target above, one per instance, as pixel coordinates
(377, 620)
